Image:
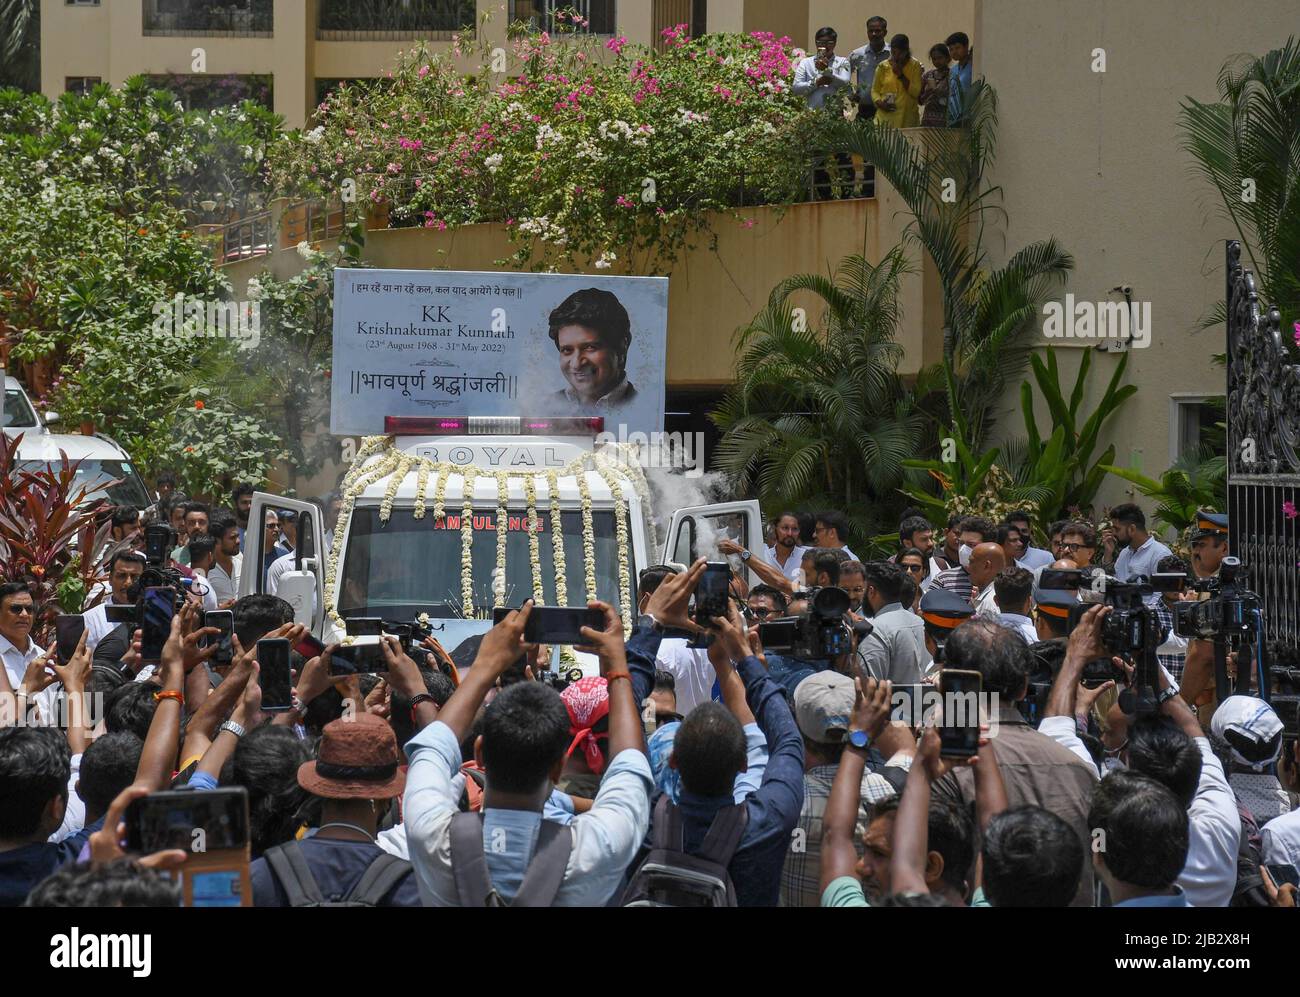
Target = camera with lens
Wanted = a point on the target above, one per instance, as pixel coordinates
(1231, 611)
(1131, 625)
(560, 680)
(819, 633)
(159, 540)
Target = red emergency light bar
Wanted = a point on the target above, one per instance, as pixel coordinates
(490, 425)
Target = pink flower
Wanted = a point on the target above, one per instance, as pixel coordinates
(748, 223)
(1289, 510)
(616, 45)
(424, 71)
(1297, 333)
(624, 202)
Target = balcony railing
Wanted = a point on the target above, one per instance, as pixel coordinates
(233, 18)
(392, 20)
(539, 15)
(243, 239)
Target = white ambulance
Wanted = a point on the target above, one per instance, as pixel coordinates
(390, 556)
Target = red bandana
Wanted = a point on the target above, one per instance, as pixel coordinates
(587, 701)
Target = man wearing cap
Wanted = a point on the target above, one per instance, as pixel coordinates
(941, 613)
(1052, 612)
(895, 648)
(823, 709)
(1253, 733)
(1209, 543)
(357, 766)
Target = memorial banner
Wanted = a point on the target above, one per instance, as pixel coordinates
(462, 343)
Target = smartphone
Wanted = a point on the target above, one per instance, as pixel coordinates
(170, 818)
(402, 631)
(157, 543)
(908, 703)
(711, 593)
(361, 658)
(68, 629)
(959, 734)
(157, 606)
(364, 626)
(309, 647)
(120, 614)
(223, 620)
(277, 683)
(555, 624)
(1283, 874)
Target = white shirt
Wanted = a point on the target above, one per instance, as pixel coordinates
(225, 586)
(97, 625)
(1214, 834)
(1036, 557)
(1022, 625)
(200, 587)
(1281, 840)
(985, 602)
(806, 75)
(792, 565)
(46, 702)
(852, 556)
(277, 569)
(691, 671)
(74, 814)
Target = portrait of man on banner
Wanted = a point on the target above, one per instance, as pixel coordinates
(592, 333)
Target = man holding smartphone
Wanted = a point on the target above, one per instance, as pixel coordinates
(124, 572)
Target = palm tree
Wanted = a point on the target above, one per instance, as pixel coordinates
(20, 44)
(818, 416)
(1197, 480)
(1246, 146)
(940, 175)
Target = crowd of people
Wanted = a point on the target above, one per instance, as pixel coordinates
(696, 767)
(888, 86)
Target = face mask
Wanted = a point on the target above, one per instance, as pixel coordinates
(963, 555)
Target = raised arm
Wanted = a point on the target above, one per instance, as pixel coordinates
(625, 730)
(839, 823)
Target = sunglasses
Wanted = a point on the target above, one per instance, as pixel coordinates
(22, 609)
(759, 614)
(1073, 547)
(918, 568)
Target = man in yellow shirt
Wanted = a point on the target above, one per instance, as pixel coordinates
(897, 86)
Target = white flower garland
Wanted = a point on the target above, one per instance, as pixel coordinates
(503, 496)
(557, 541)
(534, 546)
(588, 535)
(620, 525)
(421, 486)
(395, 465)
(468, 475)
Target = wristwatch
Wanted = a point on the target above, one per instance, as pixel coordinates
(1166, 695)
(647, 621)
(745, 555)
(233, 727)
(859, 738)
(417, 699)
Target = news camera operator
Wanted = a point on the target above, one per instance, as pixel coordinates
(1169, 748)
(124, 570)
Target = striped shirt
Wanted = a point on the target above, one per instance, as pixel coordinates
(955, 580)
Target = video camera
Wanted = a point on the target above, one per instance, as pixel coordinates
(1231, 613)
(1131, 629)
(820, 633)
(159, 541)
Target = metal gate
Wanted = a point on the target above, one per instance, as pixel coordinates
(1263, 413)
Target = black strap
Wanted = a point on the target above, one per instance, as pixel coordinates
(468, 863)
(542, 880)
(288, 866)
(669, 834)
(379, 879)
(895, 775)
(724, 834)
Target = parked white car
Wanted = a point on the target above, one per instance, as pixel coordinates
(19, 412)
(102, 461)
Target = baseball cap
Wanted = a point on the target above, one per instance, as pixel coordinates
(823, 704)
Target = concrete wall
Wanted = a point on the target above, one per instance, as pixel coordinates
(1096, 160)
(923, 21)
(712, 291)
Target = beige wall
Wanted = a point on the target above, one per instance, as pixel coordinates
(1095, 159)
(781, 17)
(923, 21)
(711, 292)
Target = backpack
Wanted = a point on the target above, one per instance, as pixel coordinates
(669, 877)
(290, 869)
(542, 880)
